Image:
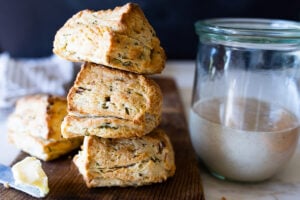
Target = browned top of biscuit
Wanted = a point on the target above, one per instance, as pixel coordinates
(121, 38)
(128, 19)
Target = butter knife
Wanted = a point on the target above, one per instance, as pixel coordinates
(7, 179)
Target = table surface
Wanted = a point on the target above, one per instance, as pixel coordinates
(284, 186)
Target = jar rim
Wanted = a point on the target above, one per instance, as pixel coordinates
(250, 27)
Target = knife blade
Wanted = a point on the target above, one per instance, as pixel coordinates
(6, 178)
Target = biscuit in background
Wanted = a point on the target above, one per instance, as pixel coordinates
(35, 127)
(45, 150)
(39, 115)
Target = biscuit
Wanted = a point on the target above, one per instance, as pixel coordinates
(126, 162)
(104, 92)
(106, 127)
(121, 38)
(39, 115)
(43, 149)
(35, 126)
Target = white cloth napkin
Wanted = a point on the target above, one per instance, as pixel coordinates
(19, 77)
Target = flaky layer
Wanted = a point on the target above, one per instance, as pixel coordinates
(106, 127)
(126, 162)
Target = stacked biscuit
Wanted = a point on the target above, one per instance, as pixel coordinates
(34, 127)
(112, 102)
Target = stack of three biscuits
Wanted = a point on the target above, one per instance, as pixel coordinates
(112, 102)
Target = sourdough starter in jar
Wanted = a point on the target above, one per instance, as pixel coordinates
(246, 139)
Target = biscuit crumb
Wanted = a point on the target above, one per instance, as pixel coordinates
(223, 198)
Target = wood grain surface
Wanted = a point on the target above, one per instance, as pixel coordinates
(65, 182)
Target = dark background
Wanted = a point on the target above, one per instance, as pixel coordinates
(27, 27)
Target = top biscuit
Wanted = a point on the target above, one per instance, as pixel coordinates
(121, 38)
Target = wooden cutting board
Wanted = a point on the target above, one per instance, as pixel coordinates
(65, 182)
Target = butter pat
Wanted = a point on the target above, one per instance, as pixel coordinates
(29, 172)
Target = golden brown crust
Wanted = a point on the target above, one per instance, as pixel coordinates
(103, 92)
(126, 162)
(125, 20)
(105, 127)
(121, 38)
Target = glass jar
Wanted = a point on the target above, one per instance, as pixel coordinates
(244, 116)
